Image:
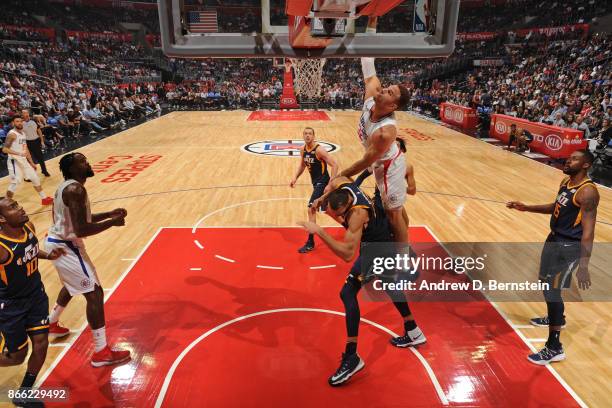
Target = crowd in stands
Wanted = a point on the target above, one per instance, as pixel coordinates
(561, 83)
(563, 80)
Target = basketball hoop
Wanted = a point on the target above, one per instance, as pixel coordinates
(308, 73)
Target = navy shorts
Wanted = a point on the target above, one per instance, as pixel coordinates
(559, 259)
(317, 191)
(20, 318)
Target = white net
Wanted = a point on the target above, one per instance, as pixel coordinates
(308, 76)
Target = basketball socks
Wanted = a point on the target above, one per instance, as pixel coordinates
(554, 342)
(99, 338)
(28, 380)
(310, 239)
(42, 194)
(409, 325)
(351, 348)
(55, 313)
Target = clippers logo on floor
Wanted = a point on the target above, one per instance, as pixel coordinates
(284, 148)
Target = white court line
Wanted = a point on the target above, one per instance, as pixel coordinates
(195, 269)
(536, 340)
(179, 359)
(531, 347)
(224, 258)
(61, 355)
(198, 244)
(59, 344)
(323, 267)
(522, 326)
(269, 267)
(210, 214)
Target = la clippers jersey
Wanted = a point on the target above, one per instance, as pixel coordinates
(377, 229)
(19, 276)
(63, 227)
(567, 216)
(367, 127)
(317, 168)
(18, 144)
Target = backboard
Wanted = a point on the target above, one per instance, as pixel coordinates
(284, 28)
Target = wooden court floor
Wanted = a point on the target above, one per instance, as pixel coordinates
(172, 171)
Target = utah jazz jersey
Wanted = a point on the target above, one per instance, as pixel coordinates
(565, 221)
(377, 229)
(317, 168)
(19, 276)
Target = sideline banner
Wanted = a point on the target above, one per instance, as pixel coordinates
(553, 141)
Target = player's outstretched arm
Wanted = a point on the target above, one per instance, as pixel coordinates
(372, 83)
(540, 209)
(381, 141)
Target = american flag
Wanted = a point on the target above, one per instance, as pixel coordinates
(203, 21)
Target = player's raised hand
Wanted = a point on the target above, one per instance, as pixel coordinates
(516, 205)
(311, 227)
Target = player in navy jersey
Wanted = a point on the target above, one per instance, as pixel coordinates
(569, 245)
(365, 222)
(317, 160)
(24, 306)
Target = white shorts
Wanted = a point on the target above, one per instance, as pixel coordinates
(75, 269)
(391, 181)
(18, 167)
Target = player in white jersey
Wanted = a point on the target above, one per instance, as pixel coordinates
(378, 133)
(73, 221)
(19, 162)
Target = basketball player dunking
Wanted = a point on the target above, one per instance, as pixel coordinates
(569, 244)
(377, 133)
(73, 221)
(317, 160)
(365, 222)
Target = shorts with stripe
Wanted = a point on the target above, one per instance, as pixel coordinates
(559, 259)
(391, 181)
(18, 168)
(75, 269)
(23, 317)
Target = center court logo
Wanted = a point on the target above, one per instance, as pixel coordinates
(284, 148)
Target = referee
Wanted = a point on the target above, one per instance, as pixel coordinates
(34, 140)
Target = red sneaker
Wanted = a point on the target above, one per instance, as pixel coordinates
(56, 331)
(47, 201)
(106, 356)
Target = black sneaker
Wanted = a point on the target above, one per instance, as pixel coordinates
(411, 338)
(546, 356)
(308, 246)
(543, 321)
(349, 366)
